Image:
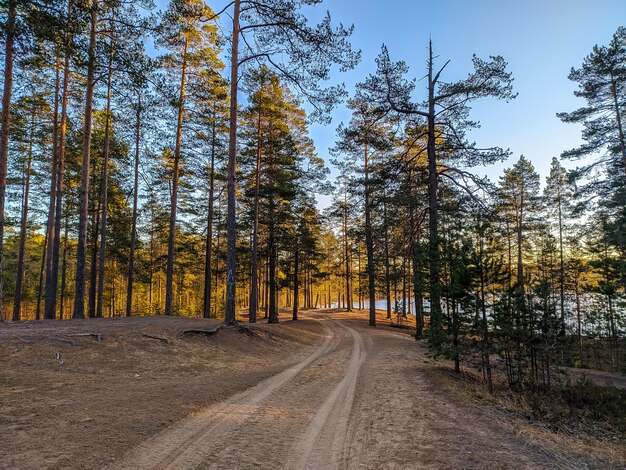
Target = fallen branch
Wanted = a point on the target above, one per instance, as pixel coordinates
(160, 338)
(97, 336)
(193, 331)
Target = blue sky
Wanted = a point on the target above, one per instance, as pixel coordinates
(541, 41)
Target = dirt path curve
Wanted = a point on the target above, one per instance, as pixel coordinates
(184, 445)
(363, 399)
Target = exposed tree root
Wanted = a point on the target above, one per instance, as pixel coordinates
(236, 326)
(245, 329)
(193, 331)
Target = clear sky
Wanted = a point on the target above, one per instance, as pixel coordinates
(541, 41)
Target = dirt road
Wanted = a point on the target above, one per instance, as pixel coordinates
(325, 392)
(362, 399)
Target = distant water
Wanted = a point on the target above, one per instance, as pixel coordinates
(381, 304)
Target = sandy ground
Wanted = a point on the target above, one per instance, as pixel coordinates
(322, 393)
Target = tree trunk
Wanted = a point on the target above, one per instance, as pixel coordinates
(485, 324)
(42, 268)
(404, 287)
(17, 304)
(231, 222)
(267, 290)
(561, 267)
(579, 329)
(105, 182)
(255, 228)
(520, 264)
(64, 268)
(417, 292)
(359, 276)
(152, 249)
(79, 297)
(171, 238)
(387, 274)
(133, 230)
(347, 251)
(94, 264)
(296, 283)
(5, 122)
(209, 228)
(51, 294)
(217, 247)
(433, 208)
(369, 241)
(273, 316)
(620, 128)
(49, 309)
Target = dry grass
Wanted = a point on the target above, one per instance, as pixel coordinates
(573, 440)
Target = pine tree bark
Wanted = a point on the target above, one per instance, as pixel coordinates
(433, 212)
(561, 266)
(79, 296)
(5, 122)
(217, 249)
(485, 324)
(369, 241)
(93, 272)
(255, 227)
(209, 228)
(618, 121)
(169, 273)
(64, 269)
(520, 264)
(42, 269)
(273, 315)
(133, 230)
(51, 291)
(417, 292)
(347, 251)
(49, 311)
(231, 221)
(296, 281)
(387, 273)
(105, 180)
(17, 303)
(266, 294)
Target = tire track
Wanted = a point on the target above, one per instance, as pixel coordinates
(191, 441)
(329, 427)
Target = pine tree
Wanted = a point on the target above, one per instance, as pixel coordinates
(188, 31)
(602, 83)
(446, 114)
(557, 195)
(301, 55)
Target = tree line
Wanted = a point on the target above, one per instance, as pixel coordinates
(119, 118)
(532, 274)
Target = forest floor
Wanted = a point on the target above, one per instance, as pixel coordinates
(324, 392)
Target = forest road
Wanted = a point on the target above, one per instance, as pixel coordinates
(363, 398)
(301, 414)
